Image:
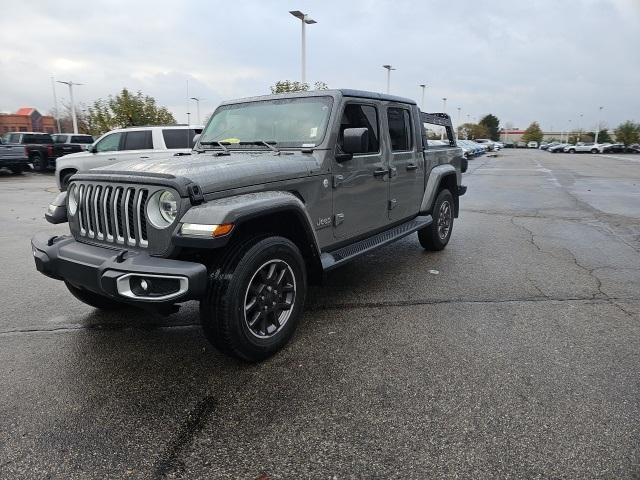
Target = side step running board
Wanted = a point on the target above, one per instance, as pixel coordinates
(342, 255)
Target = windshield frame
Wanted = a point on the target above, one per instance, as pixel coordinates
(326, 126)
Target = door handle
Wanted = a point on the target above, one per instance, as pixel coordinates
(412, 166)
(380, 172)
(113, 158)
(145, 156)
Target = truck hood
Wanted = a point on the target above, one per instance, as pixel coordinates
(215, 173)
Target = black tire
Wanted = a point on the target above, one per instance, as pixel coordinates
(93, 299)
(436, 236)
(64, 183)
(594, 150)
(572, 150)
(227, 308)
(17, 170)
(39, 163)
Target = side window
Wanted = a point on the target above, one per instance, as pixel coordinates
(59, 138)
(14, 138)
(361, 116)
(399, 120)
(110, 143)
(138, 140)
(178, 137)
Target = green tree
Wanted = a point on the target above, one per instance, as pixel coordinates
(126, 110)
(533, 133)
(628, 133)
(472, 131)
(492, 123)
(284, 86)
(603, 136)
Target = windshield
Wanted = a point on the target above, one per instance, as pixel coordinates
(290, 122)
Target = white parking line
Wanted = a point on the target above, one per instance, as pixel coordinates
(636, 160)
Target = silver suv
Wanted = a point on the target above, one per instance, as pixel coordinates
(133, 143)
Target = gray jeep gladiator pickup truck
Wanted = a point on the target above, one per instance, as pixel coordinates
(278, 190)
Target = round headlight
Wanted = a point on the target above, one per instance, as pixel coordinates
(72, 199)
(168, 206)
(162, 208)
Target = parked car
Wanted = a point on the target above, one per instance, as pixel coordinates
(71, 138)
(247, 221)
(140, 143)
(509, 144)
(559, 148)
(521, 145)
(584, 147)
(635, 148)
(485, 141)
(532, 145)
(13, 157)
(614, 148)
(41, 150)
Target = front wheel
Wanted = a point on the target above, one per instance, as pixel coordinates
(594, 150)
(255, 298)
(436, 236)
(93, 299)
(572, 150)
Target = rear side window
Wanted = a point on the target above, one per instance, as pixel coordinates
(356, 115)
(179, 137)
(138, 140)
(59, 138)
(399, 121)
(81, 139)
(36, 138)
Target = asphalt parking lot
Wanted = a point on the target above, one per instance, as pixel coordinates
(514, 353)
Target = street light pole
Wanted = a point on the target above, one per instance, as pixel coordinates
(55, 103)
(444, 110)
(305, 20)
(598, 125)
(197, 100)
(389, 68)
(73, 105)
(422, 86)
(579, 127)
(458, 129)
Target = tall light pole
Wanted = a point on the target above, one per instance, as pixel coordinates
(73, 105)
(598, 125)
(55, 102)
(458, 129)
(444, 110)
(569, 131)
(579, 127)
(389, 68)
(422, 86)
(197, 100)
(305, 20)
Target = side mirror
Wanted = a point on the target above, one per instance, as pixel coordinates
(196, 137)
(355, 140)
(92, 149)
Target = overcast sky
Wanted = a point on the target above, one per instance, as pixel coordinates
(544, 60)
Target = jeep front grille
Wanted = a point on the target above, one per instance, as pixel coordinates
(113, 214)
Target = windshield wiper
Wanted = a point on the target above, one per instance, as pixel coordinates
(269, 144)
(220, 144)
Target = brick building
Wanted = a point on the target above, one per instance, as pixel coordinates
(26, 119)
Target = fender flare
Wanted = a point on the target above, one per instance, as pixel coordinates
(435, 177)
(239, 209)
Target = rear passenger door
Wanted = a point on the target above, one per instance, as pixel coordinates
(137, 144)
(406, 167)
(360, 184)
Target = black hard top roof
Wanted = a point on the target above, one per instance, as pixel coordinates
(345, 92)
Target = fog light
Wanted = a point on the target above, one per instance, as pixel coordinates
(144, 285)
(151, 287)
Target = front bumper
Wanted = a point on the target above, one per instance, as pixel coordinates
(109, 272)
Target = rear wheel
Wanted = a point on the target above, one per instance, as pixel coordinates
(436, 236)
(39, 163)
(255, 298)
(594, 150)
(93, 299)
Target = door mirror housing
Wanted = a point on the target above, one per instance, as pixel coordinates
(92, 149)
(355, 140)
(196, 137)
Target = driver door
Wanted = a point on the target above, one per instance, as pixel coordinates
(361, 183)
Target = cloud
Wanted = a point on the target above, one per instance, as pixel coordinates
(547, 60)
